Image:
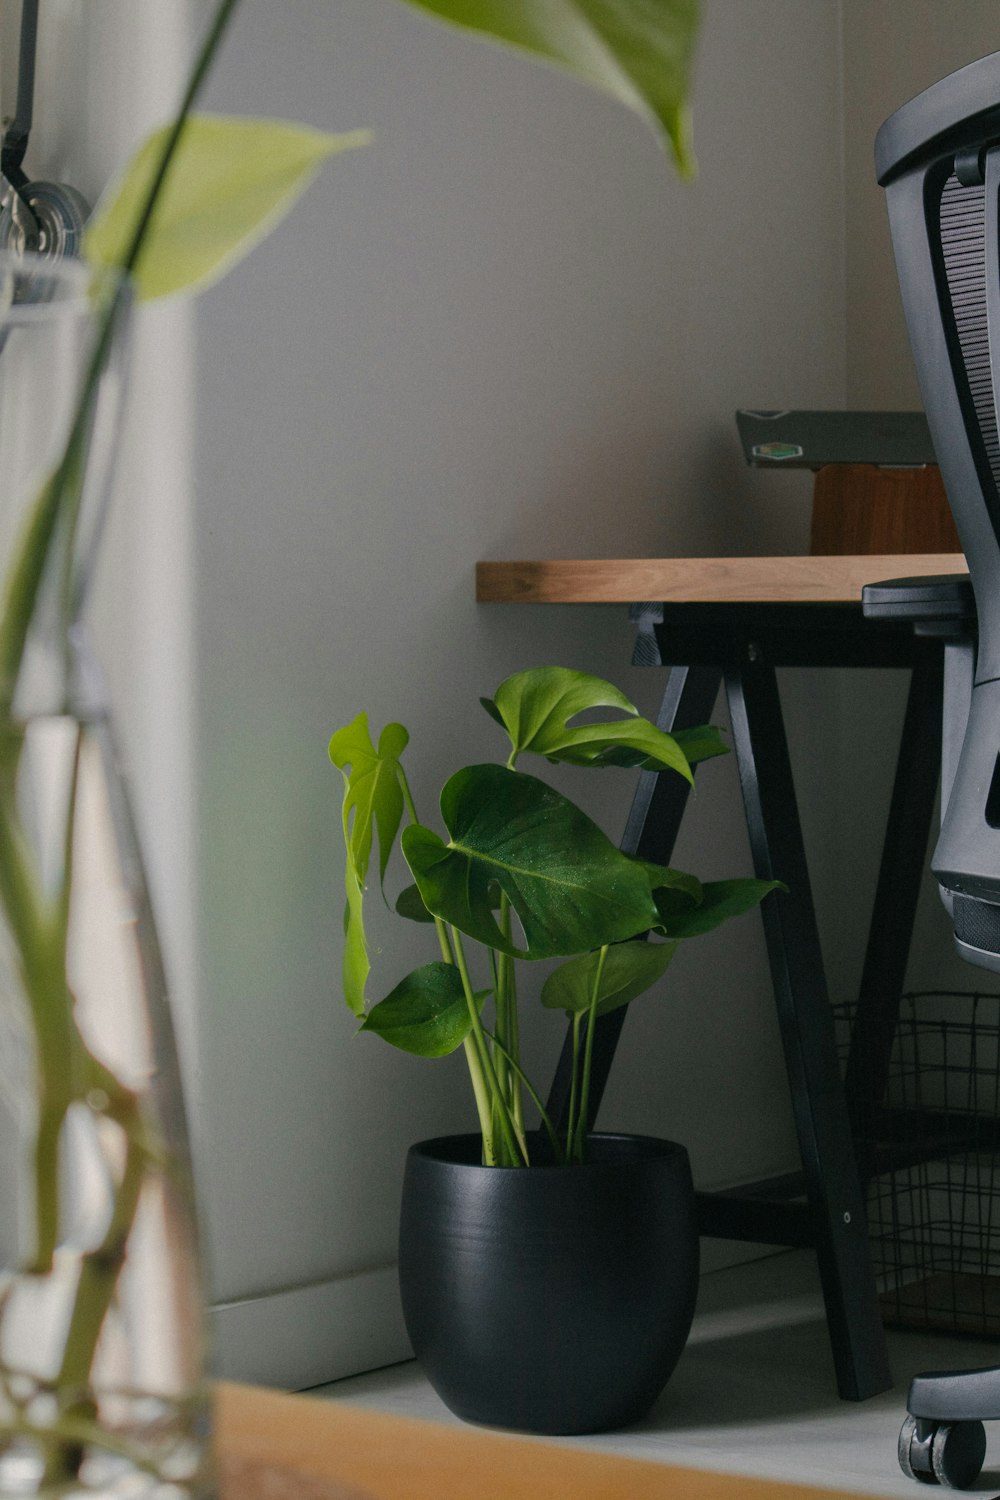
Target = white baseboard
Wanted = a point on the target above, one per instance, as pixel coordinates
(311, 1335)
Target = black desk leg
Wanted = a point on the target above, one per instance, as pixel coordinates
(651, 832)
(806, 1022)
(904, 861)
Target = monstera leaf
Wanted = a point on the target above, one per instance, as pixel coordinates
(700, 744)
(685, 891)
(535, 708)
(720, 900)
(570, 888)
(638, 50)
(628, 971)
(426, 1014)
(230, 181)
(373, 802)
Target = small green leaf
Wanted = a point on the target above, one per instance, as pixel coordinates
(373, 797)
(571, 889)
(629, 970)
(686, 889)
(426, 1014)
(410, 904)
(641, 51)
(720, 900)
(535, 708)
(230, 182)
(700, 744)
(373, 800)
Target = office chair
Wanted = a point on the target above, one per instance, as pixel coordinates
(938, 159)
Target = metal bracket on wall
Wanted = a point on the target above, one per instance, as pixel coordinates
(45, 218)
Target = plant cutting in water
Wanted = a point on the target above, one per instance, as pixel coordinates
(164, 227)
(526, 875)
(196, 197)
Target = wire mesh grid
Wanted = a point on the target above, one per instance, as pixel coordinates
(930, 1155)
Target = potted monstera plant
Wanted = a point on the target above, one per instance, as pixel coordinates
(548, 1274)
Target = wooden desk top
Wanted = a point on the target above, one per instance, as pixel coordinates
(704, 580)
(280, 1447)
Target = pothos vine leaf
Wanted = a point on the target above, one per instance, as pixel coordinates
(230, 182)
(641, 51)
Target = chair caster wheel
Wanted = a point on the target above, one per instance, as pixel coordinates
(948, 1453)
(59, 213)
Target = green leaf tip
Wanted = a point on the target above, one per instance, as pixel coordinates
(232, 179)
(641, 52)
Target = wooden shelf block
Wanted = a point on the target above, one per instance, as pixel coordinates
(860, 509)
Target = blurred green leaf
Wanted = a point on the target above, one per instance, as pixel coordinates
(373, 801)
(230, 182)
(641, 51)
(425, 1014)
(535, 707)
(629, 970)
(570, 888)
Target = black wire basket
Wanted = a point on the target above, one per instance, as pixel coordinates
(931, 1161)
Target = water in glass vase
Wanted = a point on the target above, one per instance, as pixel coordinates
(101, 1384)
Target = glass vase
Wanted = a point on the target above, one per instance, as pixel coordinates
(102, 1391)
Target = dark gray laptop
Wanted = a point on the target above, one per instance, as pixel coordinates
(810, 439)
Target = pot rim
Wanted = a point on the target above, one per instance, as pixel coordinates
(461, 1151)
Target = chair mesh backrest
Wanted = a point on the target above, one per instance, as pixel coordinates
(934, 158)
(938, 159)
(962, 229)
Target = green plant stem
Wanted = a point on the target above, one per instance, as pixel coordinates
(504, 1076)
(573, 1077)
(514, 1152)
(473, 1060)
(101, 1267)
(509, 1033)
(203, 62)
(482, 1097)
(546, 1119)
(39, 941)
(582, 1121)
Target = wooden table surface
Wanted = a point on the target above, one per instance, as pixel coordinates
(687, 580)
(279, 1447)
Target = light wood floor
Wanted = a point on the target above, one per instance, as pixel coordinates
(754, 1391)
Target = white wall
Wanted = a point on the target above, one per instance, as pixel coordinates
(503, 330)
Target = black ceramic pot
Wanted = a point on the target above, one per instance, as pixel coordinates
(549, 1299)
